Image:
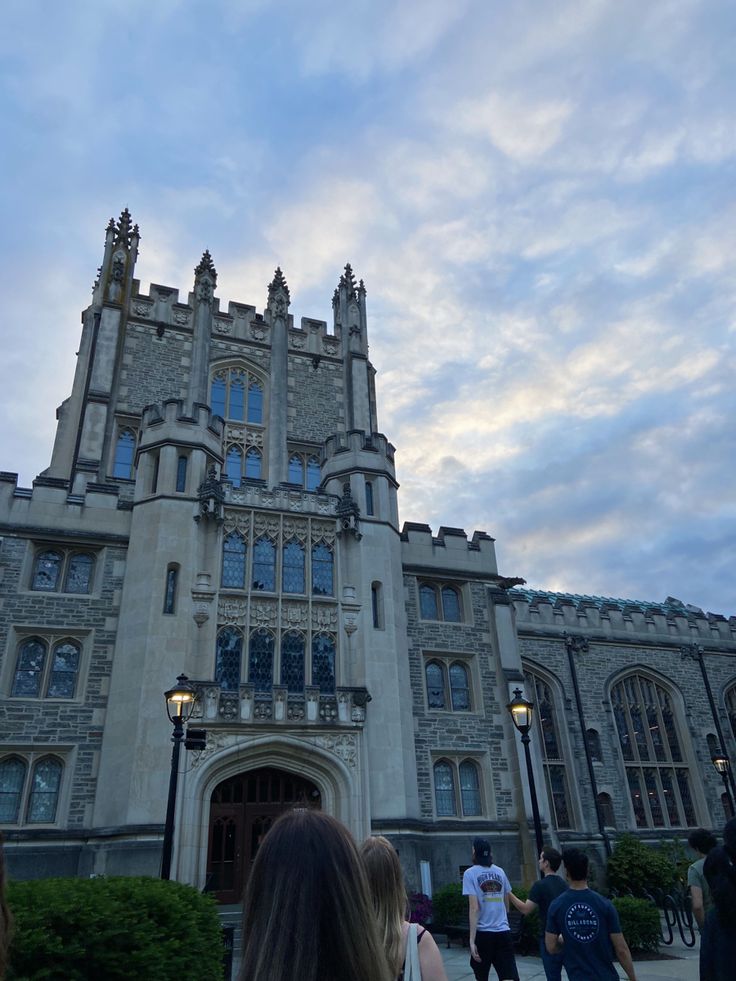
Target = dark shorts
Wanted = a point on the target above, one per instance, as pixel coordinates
(496, 950)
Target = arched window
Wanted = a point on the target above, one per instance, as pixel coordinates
(546, 724)
(124, 455)
(29, 668)
(292, 567)
(657, 777)
(435, 675)
(313, 473)
(181, 475)
(428, 602)
(228, 396)
(46, 571)
(292, 661)
(44, 796)
(12, 778)
(296, 469)
(237, 396)
(459, 688)
(64, 670)
(450, 605)
(605, 807)
(593, 739)
(172, 574)
(253, 462)
(228, 658)
(255, 402)
(731, 708)
(234, 465)
(323, 663)
(368, 497)
(469, 789)
(233, 561)
(260, 660)
(264, 565)
(377, 605)
(79, 573)
(218, 394)
(322, 578)
(444, 790)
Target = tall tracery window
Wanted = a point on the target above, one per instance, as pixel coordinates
(234, 465)
(47, 571)
(322, 570)
(34, 800)
(44, 794)
(292, 661)
(12, 778)
(657, 775)
(228, 658)
(253, 464)
(323, 663)
(313, 473)
(292, 567)
(447, 678)
(448, 776)
(296, 469)
(264, 565)
(548, 732)
(36, 675)
(233, 561)
(237, 395)
(440, 603)
(124, 455)
(469, 788)
(260, 659)
(444, 789)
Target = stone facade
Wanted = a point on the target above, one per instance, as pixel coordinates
(220, 503)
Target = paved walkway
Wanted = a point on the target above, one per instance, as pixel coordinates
(684, 968)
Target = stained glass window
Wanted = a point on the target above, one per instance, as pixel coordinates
(237, 396)
(253, 464)
(64, 670)
(217, 395)
(79, 573)
(469, 789)
(29, 668)
(444, 790)
(255, 402)
(313, 473)
(228, 396)
(170, 590)
(435, 685)
(296, 470)
(459, 689)
(292, 570)
(428, 602)
(450, 605)
(264, 565)
(322, 580)
(651, 747)
(545, 722)
(292, 661)
(260, 660)
(44, 794)
(233, 561)
(12, 778)
(124, 455)
(234, 465)
(181, 475)
(228, 658)
(46, 571)
(323, 663)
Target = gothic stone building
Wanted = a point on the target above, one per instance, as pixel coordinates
(220, 502)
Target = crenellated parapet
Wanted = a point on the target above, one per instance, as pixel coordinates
(620, 619)
(357, 441)
(49, 508)
(449, 550)
(176, 421)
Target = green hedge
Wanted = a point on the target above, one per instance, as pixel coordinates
(636, 867)
(449, 906)
(93, 929)
(639, 922)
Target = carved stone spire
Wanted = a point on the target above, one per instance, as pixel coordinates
(348, 280)
(206, 265)
(123, 230)
(279, 297)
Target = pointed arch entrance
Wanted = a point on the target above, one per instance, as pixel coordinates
(243, 808)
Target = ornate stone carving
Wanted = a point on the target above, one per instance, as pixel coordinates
(181, 318)
(258, 331)
(328, 710)
(342, 745)
(329, 347)
(266, 524)
(295, 711)
(237, 521)
(263, 710)
(229, 705)
(232, 612)
(294, 615)
(223, 327)
(142, 309)
(215, 742)
(323, 530)
(295, 529)
(324, 617)
(263, 613)
(298, 343)
(254, 438)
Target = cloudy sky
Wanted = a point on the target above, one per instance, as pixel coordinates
(539, 196)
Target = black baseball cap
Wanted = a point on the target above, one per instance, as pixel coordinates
(482, 850)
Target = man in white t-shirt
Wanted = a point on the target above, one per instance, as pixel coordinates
(487, 889)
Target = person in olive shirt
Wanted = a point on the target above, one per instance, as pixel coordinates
(541, 895)
(702, 843)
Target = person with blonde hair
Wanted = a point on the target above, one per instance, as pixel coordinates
(307, 912)
(403, 942)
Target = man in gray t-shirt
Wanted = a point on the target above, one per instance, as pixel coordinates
(487, 888)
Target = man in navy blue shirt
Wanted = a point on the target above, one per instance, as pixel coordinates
(585, 926)
(542, 895)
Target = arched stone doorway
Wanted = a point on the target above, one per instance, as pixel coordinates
(243, 808)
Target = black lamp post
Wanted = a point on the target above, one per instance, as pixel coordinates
(521, 710)
(179, 707)
(723, 766)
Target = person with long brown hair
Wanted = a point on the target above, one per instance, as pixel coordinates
(307, 913)
(386, 882)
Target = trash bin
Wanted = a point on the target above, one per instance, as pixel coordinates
(228, 937)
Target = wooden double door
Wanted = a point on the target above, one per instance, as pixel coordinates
(242, 810)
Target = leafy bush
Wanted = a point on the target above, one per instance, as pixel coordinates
(116, 928)
(639, 922)
(530, 926)
(637, 868)
(420, 908)
(450, 906)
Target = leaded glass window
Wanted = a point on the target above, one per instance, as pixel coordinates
(44, 794)
(545, 721)
(459, 688)
(218, 392)
(435, 685)
(444, 790)
(368, 497)
(12, 778)
(260, 660)
(313, 473)
(228, 396)
(124, 455)
(296, 470)
(172, 575)
(237, 396)
(322, 577)
(29, 668)
(253, 464)
(292, 661)
(450, 605)
(234, 465)
(46, 571)
(181, 474)
(228, 658)
(651, 748)
(469, 789)
(255, 402)
(292, 569)
(323, 663)
(264, 565)
(428, 602)
(79, 573)
(233, 561)
(64, 669)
